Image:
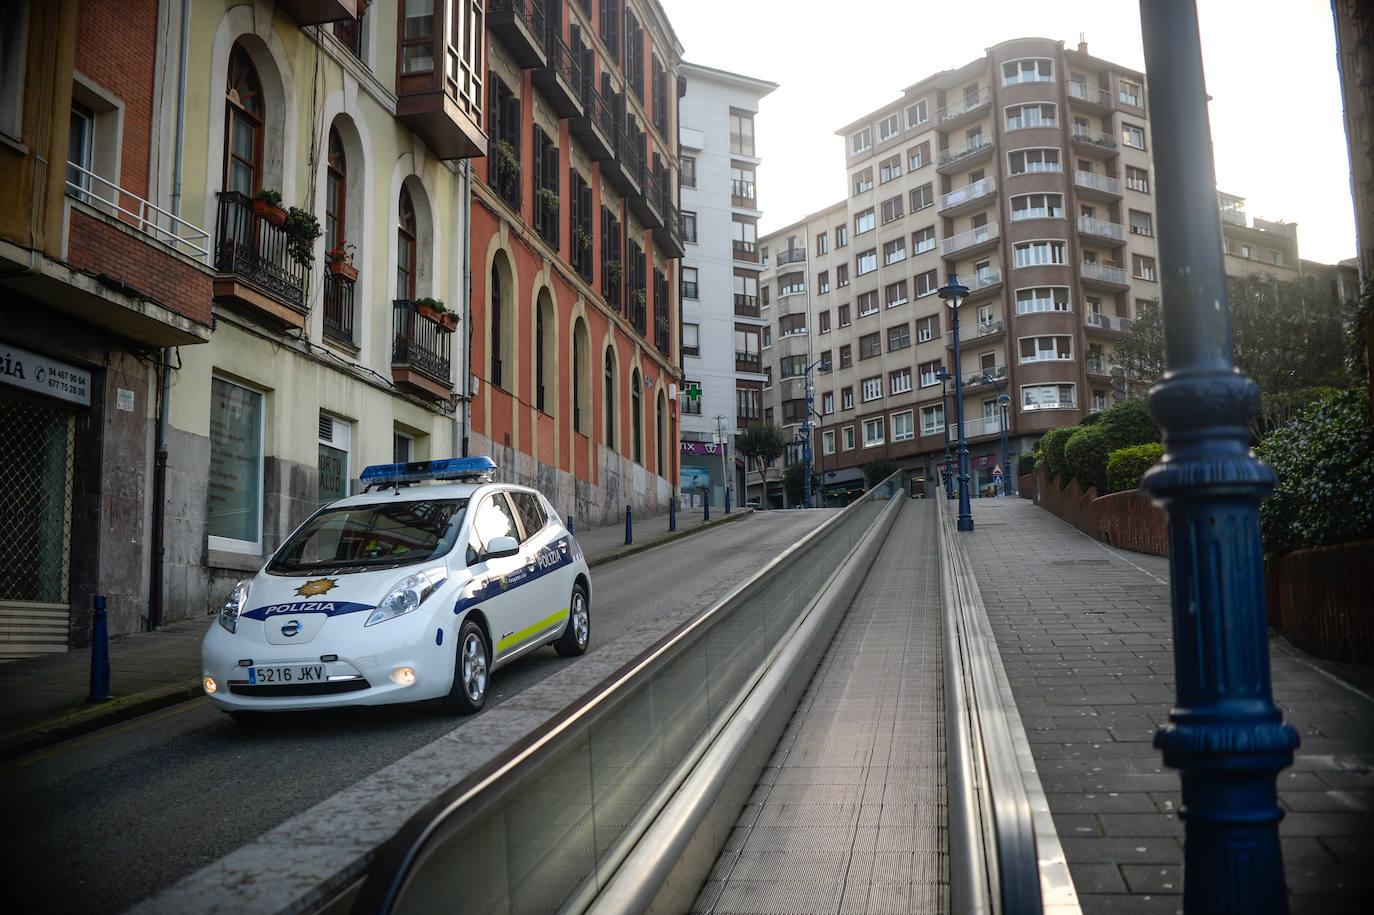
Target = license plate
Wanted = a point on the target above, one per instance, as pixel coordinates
(290, 673)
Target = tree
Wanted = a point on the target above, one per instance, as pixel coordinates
(793, 482)
(878, 469)
(760, 444)
(1141, 352)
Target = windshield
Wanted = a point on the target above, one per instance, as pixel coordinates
(360, 538)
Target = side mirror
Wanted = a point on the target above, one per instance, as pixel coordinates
(502, 546)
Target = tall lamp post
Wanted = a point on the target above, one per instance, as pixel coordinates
(954, 295)
(1002, 400)
(806, 435)
(944, 377)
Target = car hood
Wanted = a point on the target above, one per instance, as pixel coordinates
(272, 596)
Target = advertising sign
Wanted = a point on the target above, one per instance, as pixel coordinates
(32, 372)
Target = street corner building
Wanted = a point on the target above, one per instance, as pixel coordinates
(246, 255)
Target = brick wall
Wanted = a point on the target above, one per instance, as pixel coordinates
(1323, 600)
(116, 47)
(98, 247)
(1125, 519)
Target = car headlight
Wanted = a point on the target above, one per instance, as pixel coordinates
(233, 606)
(408, 594)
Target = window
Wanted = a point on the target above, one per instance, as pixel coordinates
(826, 364)
(1037, 206)
(899, 382)
(863, 221)
(791, 324)
(847, 399)
(1033, 160)
(1045, 349)
(888, 128)
(860, 141)
(1137, 179)
(889, 168)
(1144, 267)
(873, 432)
(689, 282)
(868, 303)
(918, 156)
(894, 251)
(866, 262)
(932, 419)
(742, 182)
(927, 283)
(791, 366)
(873, 388)
(1129, 93)
(922, 197)
(691, 337)
(741, 132)
(892, 209)
(846, 356)
(916, 114)
(79, 148)
(234, 512)
(747, 345)
(1027, 71)
(898, 337)
(902, 429)
(687, 171)
(841, 236)
(1034, 253)
(926, 328)
(245, 114)
(1133, 136)
(922, 240)
(827, 403)
(405, 246)
(1043, 298)
(894, 294)
(789, 283)
(822, 244)
(1019, 116)
(1140, 223)
(689, 226)
(828, 441)
(844, 315)
(823, 319)
(929, 373)
(847, 436)
(1048, 397)
(823, 281)
(743, 239)
(747, 404)
(870, 345)
(841, 275)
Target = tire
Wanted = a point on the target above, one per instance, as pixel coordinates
(471, 672)
(578, 632)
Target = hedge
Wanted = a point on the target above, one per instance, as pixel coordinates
(1126, 466)
(1052, 449)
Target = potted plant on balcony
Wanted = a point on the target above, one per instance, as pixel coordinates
(584, 237)
(507, 165)
(639, 298)
(434, 310)
(548, 197)
(267, 205)
(613, 271)
(339, 260)
(301, 229)
(662, 325)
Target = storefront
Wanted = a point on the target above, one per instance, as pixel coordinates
(704, 474)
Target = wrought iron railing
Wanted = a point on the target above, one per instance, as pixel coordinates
(418, 342)
(528, 11)
(338, 307)
(255, 250)
(562, 59)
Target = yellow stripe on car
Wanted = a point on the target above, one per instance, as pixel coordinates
(523, 634)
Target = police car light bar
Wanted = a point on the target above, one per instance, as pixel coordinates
(474, 468)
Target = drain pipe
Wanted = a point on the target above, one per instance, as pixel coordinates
(465, 397)
(156, 567)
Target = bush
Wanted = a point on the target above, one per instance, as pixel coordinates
(1324, 458)
(1025, 463)
(1085, 456)
(1129, 423)
(1125, 466)
(1052, 448)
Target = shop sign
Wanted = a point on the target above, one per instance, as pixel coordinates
(986, 460)
(42, 375)
(700, 448)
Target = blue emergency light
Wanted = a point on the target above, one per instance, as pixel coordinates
(477, 469)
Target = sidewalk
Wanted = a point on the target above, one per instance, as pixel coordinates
(1085, 634)
(43, 700)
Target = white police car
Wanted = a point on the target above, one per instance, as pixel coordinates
(404, 593)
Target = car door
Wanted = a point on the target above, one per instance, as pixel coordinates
(547, 561)
(496, 580)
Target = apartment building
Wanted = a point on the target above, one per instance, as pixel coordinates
(1027, 173)
(1257, 246)
(576, 232)
(722, 326)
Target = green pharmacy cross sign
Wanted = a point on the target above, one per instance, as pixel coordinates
(693, 393)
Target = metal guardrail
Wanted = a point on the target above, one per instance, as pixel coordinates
(146, 217)
(993, 861)
(555, 820)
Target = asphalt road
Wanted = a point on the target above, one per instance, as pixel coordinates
(101, 822)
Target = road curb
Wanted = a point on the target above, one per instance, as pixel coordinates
(93, 717)
(631, 549)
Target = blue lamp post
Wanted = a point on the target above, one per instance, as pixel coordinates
(944, 377)
(1002, 400)
(1225, 735)
(954, 295)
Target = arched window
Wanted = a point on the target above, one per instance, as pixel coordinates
(544, 358)
(636, 419)
(335, 191)
(660, 456)
(495, 325)
(244, 113)
(610, 398)
(581, 377)
(405, 248)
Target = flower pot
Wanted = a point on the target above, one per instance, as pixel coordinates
(270, 212)
(344, 269)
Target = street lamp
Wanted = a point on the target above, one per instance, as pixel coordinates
(723, 441)
(944, 377)
(954, 294)
(806, 434)
(1002, 401)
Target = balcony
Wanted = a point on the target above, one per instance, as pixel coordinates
(742, 194)
(984, 282)
(967, 197)
(744, 251)
(747, 362)
(1108, 323)
(338, 308)
(255, 272)
(963, 156)
(419, 352)
(1087, 96)
(987, 425)
(317, 12)
(1098, 366)
(1094, 142)
(998, 373)
(1100, 228)
(746, 306)
(623, 171)
(791, 256)
(955, 112)
(970, 241)
(503, 172)
(519, 26)
(595, 128)
(669, 237)
(560, 78)
(971, 331)
(1095, 185)
(438, 96)
(1103, 275)
(648, 203)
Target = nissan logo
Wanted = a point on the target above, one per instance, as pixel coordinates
(291, 628)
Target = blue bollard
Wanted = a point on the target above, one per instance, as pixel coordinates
(672, 513)
(727, 500)
(706, 507)
(570, 528)
(100, 653)
(629, 536)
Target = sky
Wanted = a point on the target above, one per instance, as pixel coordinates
(1270, 65)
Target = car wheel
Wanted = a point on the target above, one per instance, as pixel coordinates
(578, 633)
(471, 672)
